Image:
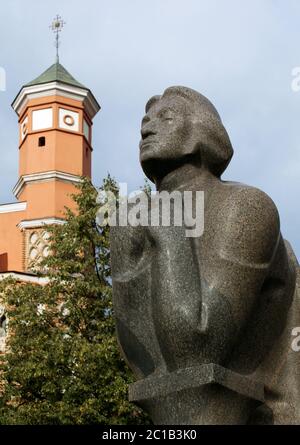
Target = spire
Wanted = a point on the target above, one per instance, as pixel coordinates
(56, 80)
(55, 73)
(57, 26)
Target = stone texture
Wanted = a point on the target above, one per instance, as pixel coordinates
(205, 323)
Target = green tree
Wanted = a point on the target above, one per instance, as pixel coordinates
(62, 364)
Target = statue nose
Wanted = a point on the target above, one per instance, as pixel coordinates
(147, 131)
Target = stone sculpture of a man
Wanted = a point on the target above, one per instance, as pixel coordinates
(205, 323)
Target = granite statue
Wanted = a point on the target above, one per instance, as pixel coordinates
(205, 323)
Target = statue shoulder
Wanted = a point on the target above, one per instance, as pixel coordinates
(248, 224)
(249, 199)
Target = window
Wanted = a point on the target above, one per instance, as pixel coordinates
(42, 141)
(42, 119)
(3, 326)
(86, 129)
(3, 330)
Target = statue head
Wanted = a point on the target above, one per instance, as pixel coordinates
(182, 126)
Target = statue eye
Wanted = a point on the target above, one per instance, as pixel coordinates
(166, 116)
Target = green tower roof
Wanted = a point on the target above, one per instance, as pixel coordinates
(56, 73)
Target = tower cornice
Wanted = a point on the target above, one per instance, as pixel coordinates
(44, 177)
(84, 95)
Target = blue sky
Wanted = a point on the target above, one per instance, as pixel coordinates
(239, 54)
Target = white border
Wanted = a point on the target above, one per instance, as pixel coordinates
(14, 207)
(56, 89)
(33, 223)
(24, 277)
(42, 177)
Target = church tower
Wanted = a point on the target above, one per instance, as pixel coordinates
(55, 114)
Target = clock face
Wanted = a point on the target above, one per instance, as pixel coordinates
(68, 119)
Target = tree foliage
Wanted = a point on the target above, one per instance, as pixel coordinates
(62, 364)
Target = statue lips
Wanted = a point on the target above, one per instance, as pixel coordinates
(146, 142)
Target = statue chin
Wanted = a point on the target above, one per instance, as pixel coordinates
(155, 167)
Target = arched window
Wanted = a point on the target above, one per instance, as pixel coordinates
(3, 326)
(3, 331)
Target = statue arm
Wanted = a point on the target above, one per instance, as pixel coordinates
(247, 237)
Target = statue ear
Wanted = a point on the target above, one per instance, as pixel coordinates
(213, 143)
(193, 136)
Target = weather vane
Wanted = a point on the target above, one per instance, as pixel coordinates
(56, 26)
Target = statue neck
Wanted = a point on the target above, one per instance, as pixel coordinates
(185, 177)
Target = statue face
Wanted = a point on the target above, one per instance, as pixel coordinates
(166, 131)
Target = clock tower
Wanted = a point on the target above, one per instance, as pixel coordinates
(55, 115)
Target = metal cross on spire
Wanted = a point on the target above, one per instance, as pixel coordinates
(56, 26)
